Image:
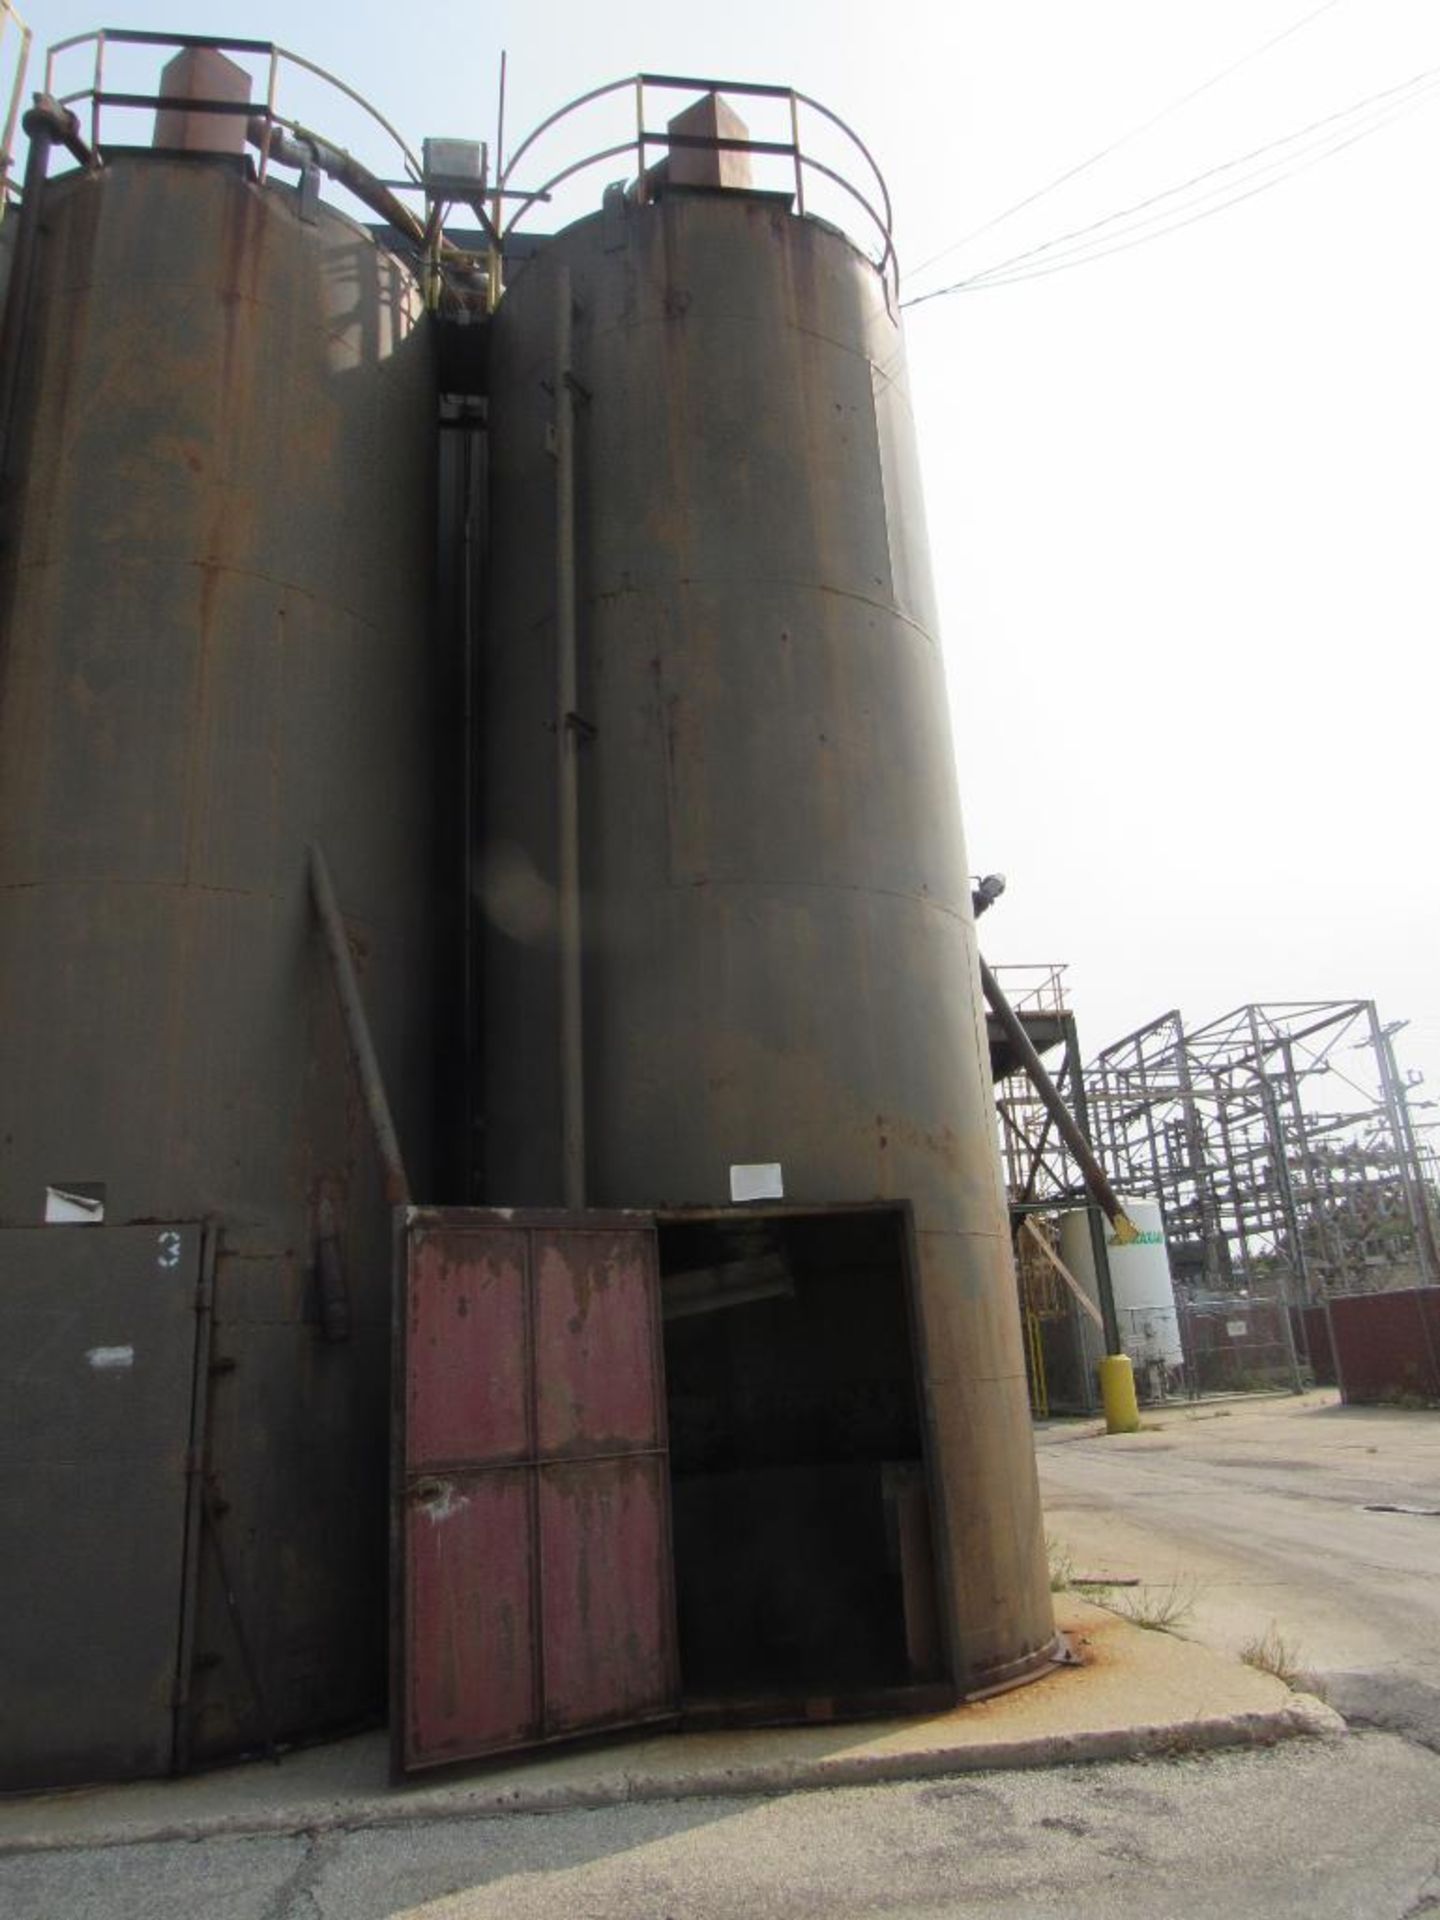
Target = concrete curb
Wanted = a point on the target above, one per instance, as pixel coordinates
(1303, 1717)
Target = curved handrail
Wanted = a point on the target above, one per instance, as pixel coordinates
(334, 80)
(880, 216)
(528, 200)
(828, 113)
(562, 113)
(17, 89)
(887, 257)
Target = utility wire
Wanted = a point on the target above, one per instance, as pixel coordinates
(1173, 220)
(1103, 153)
(1082, 257)
(1393, 101)
(1234, 196)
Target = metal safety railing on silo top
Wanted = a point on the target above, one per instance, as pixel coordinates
(266, 124)
(643, 139)
(19, 52)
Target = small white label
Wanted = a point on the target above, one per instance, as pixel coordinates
(760, 1182)
(110, 1359)
(1235, 1327)
(73, 1207)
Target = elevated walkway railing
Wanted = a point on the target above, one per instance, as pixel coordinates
(872, 198)
(275, 134)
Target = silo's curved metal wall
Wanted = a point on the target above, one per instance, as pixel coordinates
(780, 952)
(219, 553)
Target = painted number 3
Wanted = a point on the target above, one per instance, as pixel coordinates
(169, 1250)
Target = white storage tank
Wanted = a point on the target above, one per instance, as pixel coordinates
(1140, 1280)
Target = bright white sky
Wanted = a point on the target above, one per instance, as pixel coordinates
(1183, 502)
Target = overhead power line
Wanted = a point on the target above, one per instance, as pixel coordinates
(1113, 146)
(1336, 132)
(1178, 219)
(1266, 166)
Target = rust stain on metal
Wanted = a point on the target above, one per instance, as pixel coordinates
(597, 1388)
(242, 255)
(467, 1396)
(470, 1600)
(536, 1513)
(606, 1548)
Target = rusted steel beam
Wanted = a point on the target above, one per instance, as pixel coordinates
(1082, 1299)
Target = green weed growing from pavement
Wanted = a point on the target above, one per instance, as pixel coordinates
(1270, 1652)
(1062, 1565)
(1159, 1609)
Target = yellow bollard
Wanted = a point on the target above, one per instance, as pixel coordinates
(1117, 1392)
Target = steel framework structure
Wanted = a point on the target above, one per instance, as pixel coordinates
(1038, 1174)
(1281, 1144)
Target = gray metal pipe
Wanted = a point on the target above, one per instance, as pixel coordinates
(567, 742)
(311, 151)
(40, 125)
(357, 1031)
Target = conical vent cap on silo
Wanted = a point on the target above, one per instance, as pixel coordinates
(201, 73)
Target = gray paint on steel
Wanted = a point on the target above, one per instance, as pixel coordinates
(781, 960)
(215, 650)
(97, 1360)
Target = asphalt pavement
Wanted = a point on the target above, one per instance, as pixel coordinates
(1330, 1830)
(1294, 1519)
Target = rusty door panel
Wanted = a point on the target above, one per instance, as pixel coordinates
(605, 1545)
(468, 1387)
(595, 1379)
(473, 1660)
(533, 1482)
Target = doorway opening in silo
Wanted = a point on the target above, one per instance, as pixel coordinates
(805, 1570)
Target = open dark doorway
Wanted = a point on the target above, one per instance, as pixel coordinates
(804, 1564)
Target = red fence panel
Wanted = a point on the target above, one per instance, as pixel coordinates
(1387, 1345)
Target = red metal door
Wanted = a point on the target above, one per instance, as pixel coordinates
(535, 1593)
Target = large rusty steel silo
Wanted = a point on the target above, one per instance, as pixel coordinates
(749, 771)
(218, 537)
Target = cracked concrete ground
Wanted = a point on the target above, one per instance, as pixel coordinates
(1262, 1513)
(1334, 1830)
(1261, 1509)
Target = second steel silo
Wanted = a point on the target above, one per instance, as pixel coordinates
(779, 961)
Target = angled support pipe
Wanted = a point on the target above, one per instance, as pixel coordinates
(1096, 1181)
(357, 1031)
(1117, 1379)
